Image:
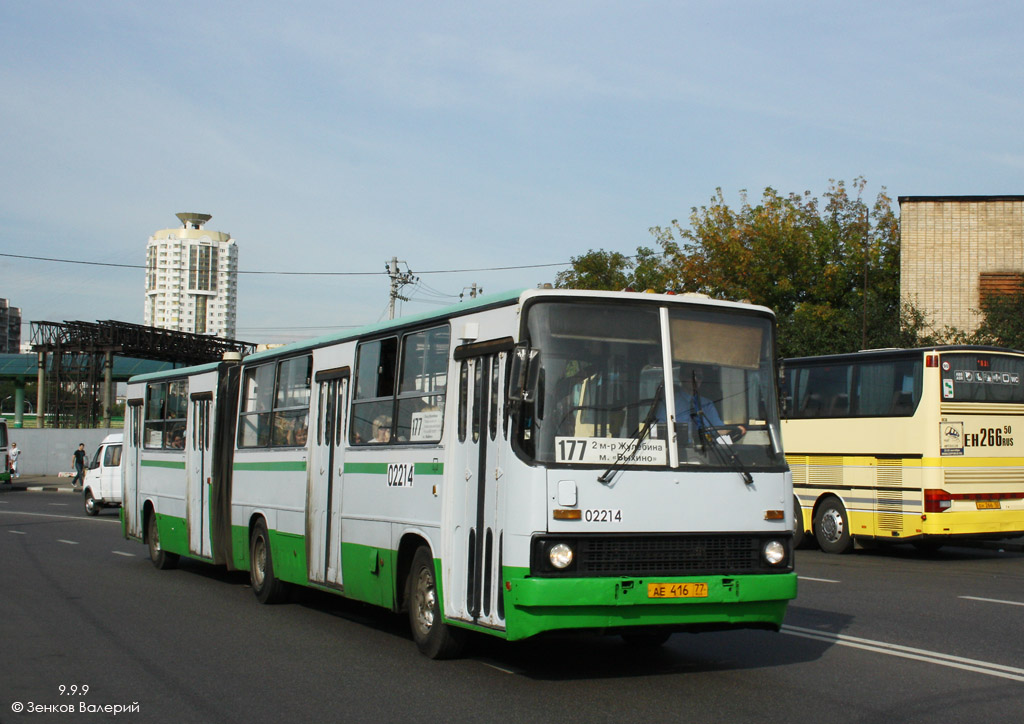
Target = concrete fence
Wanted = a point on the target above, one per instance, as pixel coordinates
(48, 452)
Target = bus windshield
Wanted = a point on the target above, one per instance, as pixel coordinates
(602, 384)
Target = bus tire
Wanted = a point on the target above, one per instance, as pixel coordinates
(91, 506)
(267, 587)
(832, 526)
(161, 559)
(799, 534)
(434, 638)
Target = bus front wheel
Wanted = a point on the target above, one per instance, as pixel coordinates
(832, 526)
(433, 637)
(799, 537)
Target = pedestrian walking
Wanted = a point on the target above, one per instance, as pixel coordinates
(78, 460)
(14, 452)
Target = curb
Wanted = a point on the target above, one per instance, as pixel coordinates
(36, 487)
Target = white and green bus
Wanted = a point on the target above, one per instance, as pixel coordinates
(504, 466)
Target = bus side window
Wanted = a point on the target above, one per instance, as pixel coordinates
(902, 404)
(839, 406)
(374, 398)
(811, 406)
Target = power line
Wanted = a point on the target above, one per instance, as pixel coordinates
(292, 273)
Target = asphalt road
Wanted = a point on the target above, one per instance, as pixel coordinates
(892, 636)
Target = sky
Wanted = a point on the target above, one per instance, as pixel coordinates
(477, 142)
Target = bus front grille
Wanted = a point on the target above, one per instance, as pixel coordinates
(657, 555)
(674, 556)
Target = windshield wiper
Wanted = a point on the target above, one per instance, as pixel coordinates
(634, 442)
(709, 437)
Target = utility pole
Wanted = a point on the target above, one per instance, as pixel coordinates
(867, 254)
(398, 280)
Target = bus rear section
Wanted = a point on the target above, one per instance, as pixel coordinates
(177, 462)
(913, 446)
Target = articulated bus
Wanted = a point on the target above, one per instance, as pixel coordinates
(924, 446)
(503, 466)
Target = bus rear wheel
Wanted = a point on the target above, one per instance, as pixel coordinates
(832, 526)
(433, 637)
(161, 559)
(267, 587)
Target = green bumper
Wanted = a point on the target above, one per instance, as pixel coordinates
(535, 605)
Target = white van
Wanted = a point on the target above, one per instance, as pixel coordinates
(103, 478)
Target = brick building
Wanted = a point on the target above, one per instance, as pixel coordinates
(957, 250)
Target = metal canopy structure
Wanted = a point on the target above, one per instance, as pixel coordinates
(76, 388)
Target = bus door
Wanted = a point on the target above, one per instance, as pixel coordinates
(323, 494)
(198, 473)
(473, 571)
(130, 467)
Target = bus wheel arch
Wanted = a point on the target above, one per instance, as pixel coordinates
(267, 587)
(832, 525)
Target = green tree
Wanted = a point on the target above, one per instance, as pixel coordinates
(1002, 322)
(606, 270)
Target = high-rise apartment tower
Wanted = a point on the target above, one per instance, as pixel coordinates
(192, 278)
(10, 328)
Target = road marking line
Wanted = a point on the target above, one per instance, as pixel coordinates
(819, 580)
(906, 652)
(66, 517)
(992, 600)
(18, 532)
(69, 542)
(502, 669)
(122, 553)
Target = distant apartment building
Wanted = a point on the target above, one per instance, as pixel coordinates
(956, 251)
(192, 279)
(10, 328)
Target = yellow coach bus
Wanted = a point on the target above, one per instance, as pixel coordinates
(923, 446)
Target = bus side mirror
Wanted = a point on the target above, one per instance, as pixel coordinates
(523, 373)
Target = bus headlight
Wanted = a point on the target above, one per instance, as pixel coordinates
(560, 555)
(774, 553)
